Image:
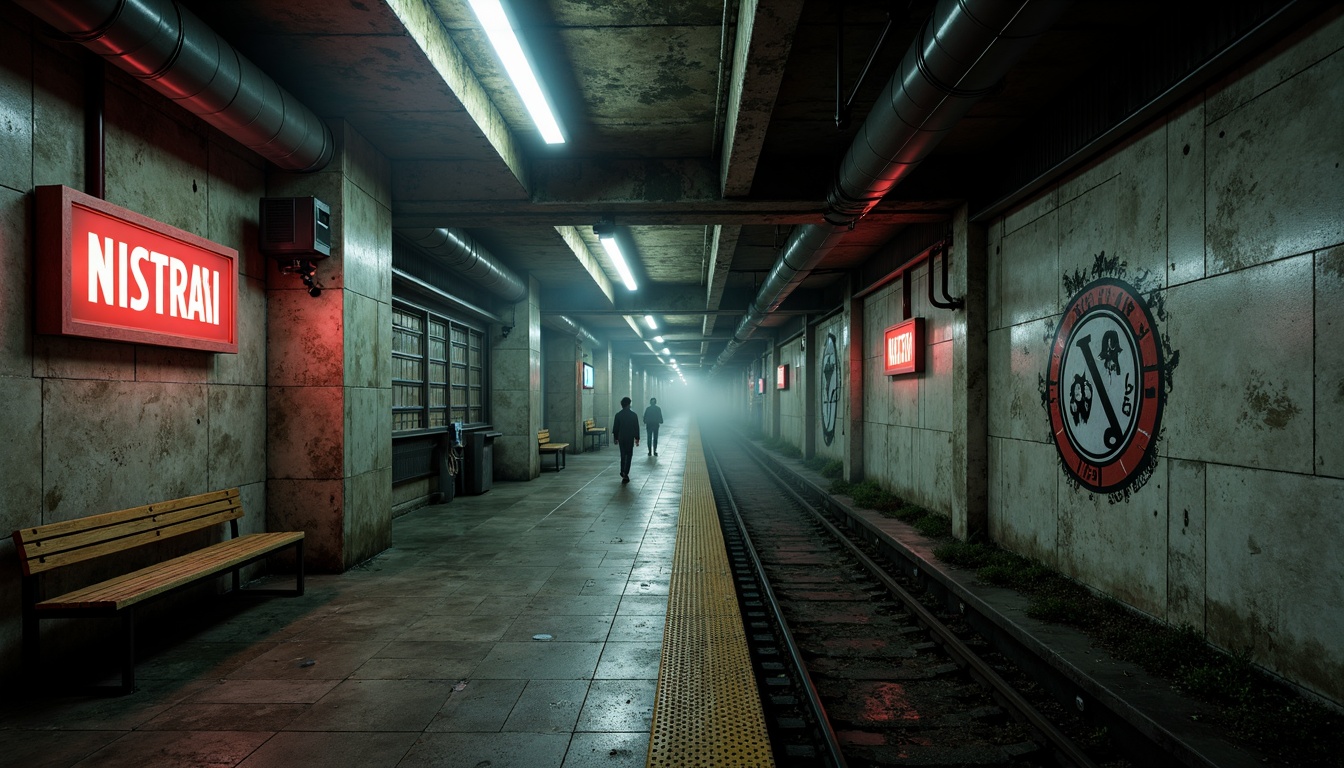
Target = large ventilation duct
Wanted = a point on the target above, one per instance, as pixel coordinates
(176, 54)
(567, 325)
(459, 252)
(962, 52)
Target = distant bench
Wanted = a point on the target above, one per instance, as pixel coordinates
(46, 548)
(545, 446)
(595, 434)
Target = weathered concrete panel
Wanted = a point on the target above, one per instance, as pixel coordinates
(58, 116)
(368, 515)
(1024, 518)
(16, 101)
(1121, 549)
(1257, 210)
(305, 432)
(306, 344)
(1185, 195)
(936, 396)
(109, 445)
(1294, 54)
(160, 162)
(237, 436)
(368, 430)
(878, 464)
(167, 364)
(365, 167)
(237, 183)
(366, 255)
(1031, 272)
(994, 294)
(1031, 211)
(65, 357)
(1123, 214)
(901, 458)
(1017, 363)
(1330, 362)
(316, 507)
(1275, 564)
(16, 302)
(1243, 391)
(1186, 544)
(931, 478)
(364, 337)
(21, 461)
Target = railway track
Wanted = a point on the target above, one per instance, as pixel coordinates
(854, 670)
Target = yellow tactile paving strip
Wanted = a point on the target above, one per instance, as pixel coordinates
(707, 711)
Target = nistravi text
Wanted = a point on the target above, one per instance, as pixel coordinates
(129, 276)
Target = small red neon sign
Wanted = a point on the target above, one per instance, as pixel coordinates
(104, 272)
(782, 376)
(903, 347)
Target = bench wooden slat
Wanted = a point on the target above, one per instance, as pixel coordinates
(137, 586)
(37, 559)
(44, 552)
(114, 518)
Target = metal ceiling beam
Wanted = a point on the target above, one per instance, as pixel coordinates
(765, 33)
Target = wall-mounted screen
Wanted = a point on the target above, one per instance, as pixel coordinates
(587, 376)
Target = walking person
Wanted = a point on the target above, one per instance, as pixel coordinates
(653, 418)
(625, 431)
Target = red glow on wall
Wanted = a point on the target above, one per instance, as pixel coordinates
(782, 376)
(104, 272)
(903, 347)
(760, 386)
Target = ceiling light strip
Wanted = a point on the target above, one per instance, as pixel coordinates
(497, 28)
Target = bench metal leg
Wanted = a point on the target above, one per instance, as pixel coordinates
(32, 631)
(128, 661)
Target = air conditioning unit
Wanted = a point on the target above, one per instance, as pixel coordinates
(295, 228)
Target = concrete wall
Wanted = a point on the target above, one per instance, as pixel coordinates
(94, 426)
(515, 389)
(1229, 208)
(792, 407)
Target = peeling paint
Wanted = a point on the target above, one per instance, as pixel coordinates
(1268, 408)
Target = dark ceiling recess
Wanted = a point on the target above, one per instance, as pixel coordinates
(1179, 52)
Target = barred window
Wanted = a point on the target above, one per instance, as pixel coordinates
(437, 370)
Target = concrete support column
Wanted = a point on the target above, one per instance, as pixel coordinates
(851, 356)
(564, 389)
(969, 276)
(329, 371)
(515, 388)
(604, 405)
(772, 393)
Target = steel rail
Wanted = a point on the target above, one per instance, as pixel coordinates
(1021, 709)
(813, 698)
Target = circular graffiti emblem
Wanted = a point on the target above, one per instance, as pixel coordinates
(830, 388)
(1105, 386)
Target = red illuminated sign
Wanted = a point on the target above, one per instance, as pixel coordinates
(903, 347)
(760, 386)
(104, 272)
(782, 376)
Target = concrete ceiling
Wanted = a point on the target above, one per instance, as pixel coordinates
(704, 129)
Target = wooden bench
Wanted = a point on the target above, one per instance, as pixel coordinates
(47, 548)
(545, 446)
(594, 433)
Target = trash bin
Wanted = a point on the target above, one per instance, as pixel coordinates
(480, 462)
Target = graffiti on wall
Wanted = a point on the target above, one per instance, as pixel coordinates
(1107, 380)
(830, 388)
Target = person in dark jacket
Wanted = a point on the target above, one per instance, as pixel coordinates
(625, 431)
(653, 418)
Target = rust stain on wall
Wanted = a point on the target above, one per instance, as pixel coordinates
(1268, 408)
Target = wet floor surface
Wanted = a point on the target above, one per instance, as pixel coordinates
(521, 627)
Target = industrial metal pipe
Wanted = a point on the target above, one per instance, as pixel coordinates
(962, 51)
(460, 252)
(175, 53)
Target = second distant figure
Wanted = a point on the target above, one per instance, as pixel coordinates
(625, 431)
(653, 418)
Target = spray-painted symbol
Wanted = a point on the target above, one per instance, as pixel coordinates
(1080, 399)
(1110, 351)
(830, 388)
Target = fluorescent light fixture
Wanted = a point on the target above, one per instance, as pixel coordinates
(666, 351)
(606, 234)
(673, 360)
(492, 17)
(658, 339)
(649, 321)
